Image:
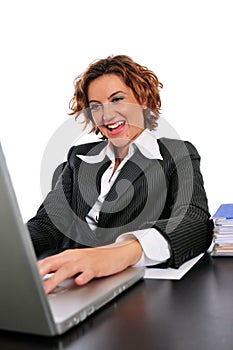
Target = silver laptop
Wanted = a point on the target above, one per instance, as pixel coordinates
(24, 306)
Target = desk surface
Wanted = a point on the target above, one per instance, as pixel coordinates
(193, 313)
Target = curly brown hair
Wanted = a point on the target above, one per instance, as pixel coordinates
(143, 82)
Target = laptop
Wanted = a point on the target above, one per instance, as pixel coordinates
(24, 306)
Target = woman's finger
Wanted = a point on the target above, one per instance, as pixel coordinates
(84, 277)
(64, 272)
(53, 263)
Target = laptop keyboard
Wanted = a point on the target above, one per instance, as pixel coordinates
(59, 290)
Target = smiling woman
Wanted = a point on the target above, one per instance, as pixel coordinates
(115, 112)
(130, 199)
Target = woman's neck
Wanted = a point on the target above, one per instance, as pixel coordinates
(121, 152)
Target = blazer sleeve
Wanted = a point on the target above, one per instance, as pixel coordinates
(185, 222)
(54, 216)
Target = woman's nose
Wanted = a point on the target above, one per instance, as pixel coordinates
(103, 113)
(108, 112)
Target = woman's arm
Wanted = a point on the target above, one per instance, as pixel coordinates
(188, 229)
(89, 263)
(54, 216)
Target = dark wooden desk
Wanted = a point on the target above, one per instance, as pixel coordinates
(194, 313)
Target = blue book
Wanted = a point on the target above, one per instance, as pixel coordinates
(225, 211)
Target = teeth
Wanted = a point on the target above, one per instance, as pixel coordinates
(114, 126)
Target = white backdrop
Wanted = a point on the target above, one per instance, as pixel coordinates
(45, 44)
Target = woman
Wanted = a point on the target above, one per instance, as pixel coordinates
(129, 199)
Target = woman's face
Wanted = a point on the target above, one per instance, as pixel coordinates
(115, 111)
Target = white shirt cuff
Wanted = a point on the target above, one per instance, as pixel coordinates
(154, 245)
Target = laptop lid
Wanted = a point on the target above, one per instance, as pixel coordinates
(23, 303)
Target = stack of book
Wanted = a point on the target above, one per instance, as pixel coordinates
(223, 231)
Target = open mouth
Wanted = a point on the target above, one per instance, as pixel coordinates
(115, 126)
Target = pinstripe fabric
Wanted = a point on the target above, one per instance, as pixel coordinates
(166, 194)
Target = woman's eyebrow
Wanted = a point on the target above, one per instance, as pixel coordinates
(115, 93)
(93, 101)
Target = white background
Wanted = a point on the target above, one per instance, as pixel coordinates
(45, 44)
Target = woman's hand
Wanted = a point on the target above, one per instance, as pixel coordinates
(89, 263)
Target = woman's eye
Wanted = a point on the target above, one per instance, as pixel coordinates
(95, 107)
(117, 98)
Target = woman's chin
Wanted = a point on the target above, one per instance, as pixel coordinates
(119, 142)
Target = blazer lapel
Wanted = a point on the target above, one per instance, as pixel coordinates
(89, 185)
(122, 189)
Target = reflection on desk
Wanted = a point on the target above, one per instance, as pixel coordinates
(192, 313)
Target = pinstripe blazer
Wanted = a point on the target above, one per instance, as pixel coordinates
(165, 194)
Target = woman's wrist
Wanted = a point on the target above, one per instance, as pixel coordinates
(132, 251)
(137, 249)
(129, 251)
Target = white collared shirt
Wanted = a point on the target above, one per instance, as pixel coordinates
(155, 247)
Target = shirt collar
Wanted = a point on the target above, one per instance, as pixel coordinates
(146, 143)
